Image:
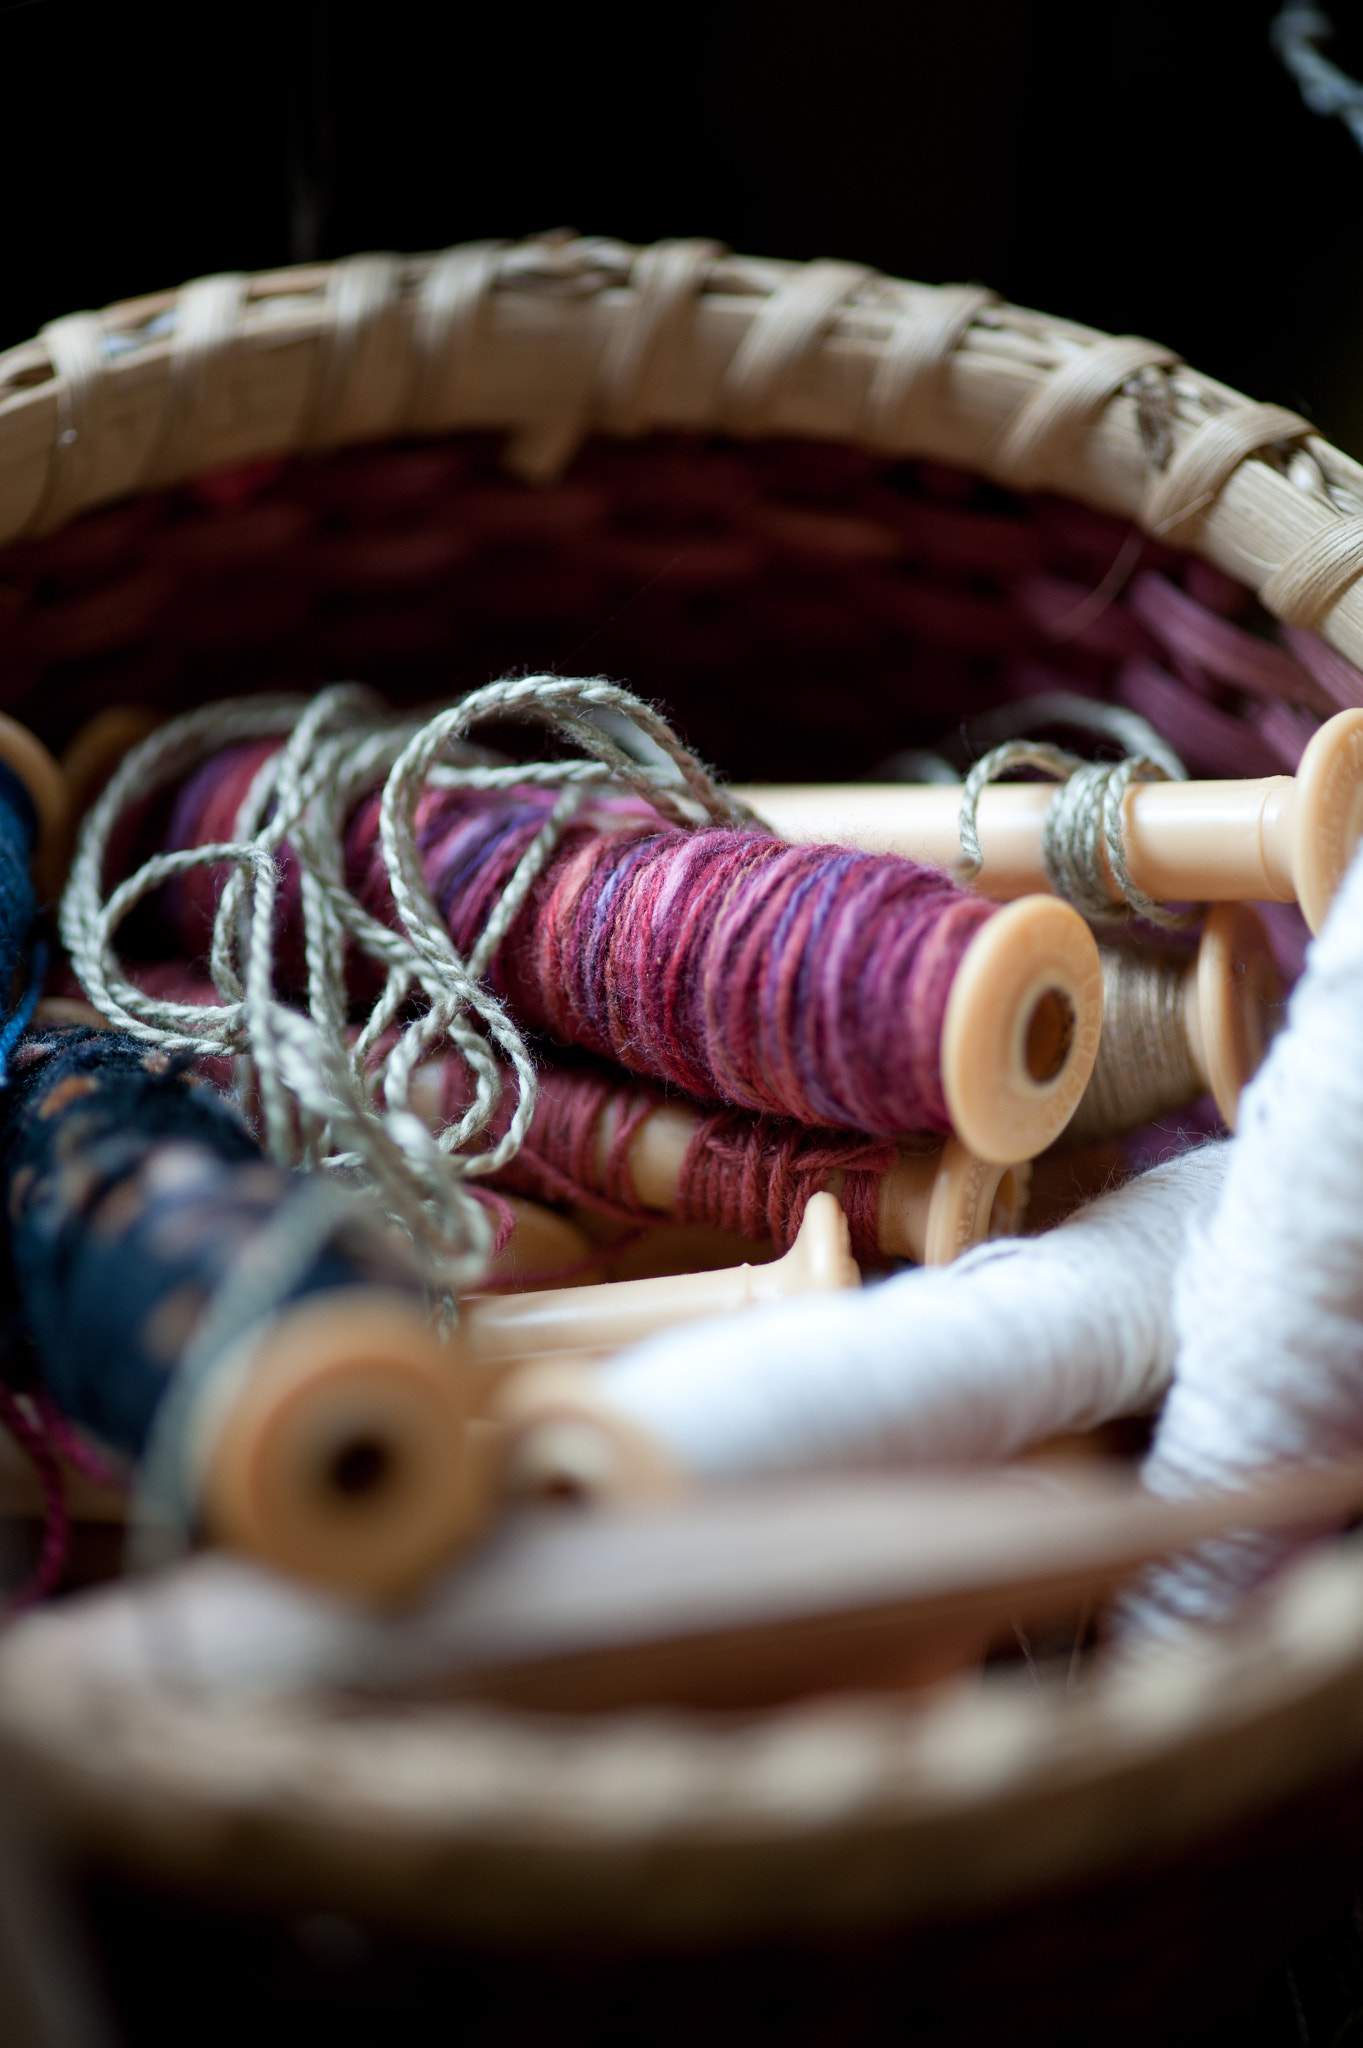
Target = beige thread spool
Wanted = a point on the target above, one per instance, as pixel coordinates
(1279, 839)
(348, 1453)
(342, 1442)
(1175, 1026)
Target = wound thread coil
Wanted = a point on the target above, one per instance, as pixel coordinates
(973, 1362)
(846, 991)
(606, 1141)
(1177, 1025)
(253, 1338)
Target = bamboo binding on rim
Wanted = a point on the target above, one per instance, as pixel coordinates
(552, 339)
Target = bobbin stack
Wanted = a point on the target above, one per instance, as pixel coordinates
(451, 1095)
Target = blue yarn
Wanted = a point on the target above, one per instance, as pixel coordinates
(135, 1195)
(22, 962)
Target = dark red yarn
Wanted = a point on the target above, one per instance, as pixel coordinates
(752, 1175)
(756, 1176)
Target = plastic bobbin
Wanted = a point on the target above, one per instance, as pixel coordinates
(1270, 839)
(95, 751)
(1232, 992)
(932, 1205)
(1021, 1029)
(500, 1329)
(1327, 813)
(351, 1456)
(972, 1200)
(558, 1440)
(542, 1241)
(935, 1205)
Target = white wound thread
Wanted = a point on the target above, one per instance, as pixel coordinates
(1268, 1300)
(1017, 1341)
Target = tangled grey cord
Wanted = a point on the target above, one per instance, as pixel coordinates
(1327, 90)
(311, 1098)
(1081, 839)
(340, 1107)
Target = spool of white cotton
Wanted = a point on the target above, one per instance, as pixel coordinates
(1268, 1300)
(1017, 1341)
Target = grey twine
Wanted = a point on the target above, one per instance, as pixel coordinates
(345, 1109)
(1081, 839)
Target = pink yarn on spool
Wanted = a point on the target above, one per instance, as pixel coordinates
(798, 981)
(801, 981)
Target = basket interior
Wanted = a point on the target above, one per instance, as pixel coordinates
(802, 610)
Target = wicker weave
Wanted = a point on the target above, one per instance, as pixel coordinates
(866, 1812)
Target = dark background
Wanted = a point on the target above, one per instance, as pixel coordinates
(1145, 169)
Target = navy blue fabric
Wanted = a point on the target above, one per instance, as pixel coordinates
(133, 1191)
(20, 975)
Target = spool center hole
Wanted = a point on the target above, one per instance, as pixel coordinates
(1050, 1034)
(359, 1468)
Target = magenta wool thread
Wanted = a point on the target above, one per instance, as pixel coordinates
(798, 981)
(801, 981)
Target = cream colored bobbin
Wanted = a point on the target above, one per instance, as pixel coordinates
(351, 1457)
(558, 1440)
(501, 1329)
(541, 1241)
(1234, 997)
(1278, 839)
(25, 753)
(1021, 1029)
(932, 1205)
(91, 756)
(61, 1010)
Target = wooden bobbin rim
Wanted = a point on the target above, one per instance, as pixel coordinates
(339, 1372)
(559, 1439)
(972, 1200)
(42, 777)
(95, 750)
(1327, 820)
(1020, 1032)
(1236, 990)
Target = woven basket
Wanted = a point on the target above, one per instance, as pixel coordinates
(822, 515)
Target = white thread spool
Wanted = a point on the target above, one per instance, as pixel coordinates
(1269, 1296)
(1017, 1341)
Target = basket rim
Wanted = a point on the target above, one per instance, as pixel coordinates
(665, 1827)
(552, 338)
